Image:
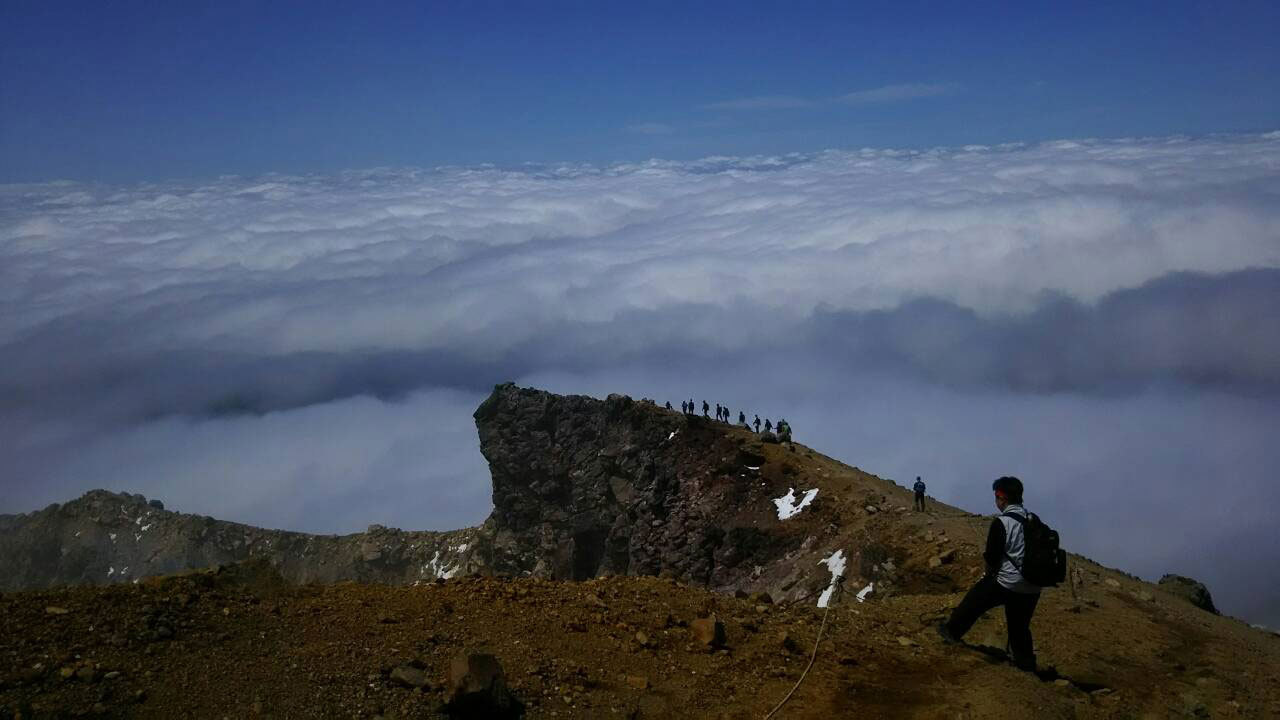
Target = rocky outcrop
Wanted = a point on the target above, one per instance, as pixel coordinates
(1193, 591)
(584, 487)
(106, 537)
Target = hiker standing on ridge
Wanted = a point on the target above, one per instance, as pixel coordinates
(1016, 542)
(919, 488)
(726, 416)
(705, 409)
(757, 423)
(742, 418)
(768, 426)
(719, 412)
(668, 404)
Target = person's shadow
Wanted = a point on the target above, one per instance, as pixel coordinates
(1047, 674)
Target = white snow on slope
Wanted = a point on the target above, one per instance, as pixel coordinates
(787, 506)
(864, 592)
(835, 563)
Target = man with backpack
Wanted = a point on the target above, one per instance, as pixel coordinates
(1022, 556)
(919, 488)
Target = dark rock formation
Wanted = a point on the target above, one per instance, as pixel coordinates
(583, 487)
(1193, 591)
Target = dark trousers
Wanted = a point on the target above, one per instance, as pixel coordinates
(1018, 609)
(920, 501)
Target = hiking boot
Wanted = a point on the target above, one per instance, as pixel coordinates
(946, 635)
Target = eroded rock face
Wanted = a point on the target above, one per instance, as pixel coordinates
(584, 487)
(1193, 591)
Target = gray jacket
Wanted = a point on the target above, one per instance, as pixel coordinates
(1005, 550)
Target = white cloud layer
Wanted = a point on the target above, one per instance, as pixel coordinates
(238, 346)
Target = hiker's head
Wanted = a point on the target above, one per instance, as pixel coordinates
(1008, 491)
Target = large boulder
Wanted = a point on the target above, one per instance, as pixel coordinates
(479, 688)
(1193, 591)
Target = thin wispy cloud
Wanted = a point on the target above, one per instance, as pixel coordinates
(651, 128)
(898, 93)
(1100, 317)
(762, 102)
(885, 95)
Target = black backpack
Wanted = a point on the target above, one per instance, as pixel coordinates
(1043, 562)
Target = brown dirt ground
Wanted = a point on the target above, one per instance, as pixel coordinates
(243, 645)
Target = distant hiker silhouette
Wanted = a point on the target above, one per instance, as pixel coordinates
(719, 412)
(919, 488)
(684, 407)
(757, 423)
(726, 415)
(705, 409)
(742, 419)
(1016, 542)
(692, 407)
(668, 404)
(768, 426)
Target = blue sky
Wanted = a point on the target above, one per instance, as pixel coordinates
(123, 92)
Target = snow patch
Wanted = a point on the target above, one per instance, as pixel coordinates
(673, 434)
(438, 568)
(751, 467)
(111, 571)
(787, 506)
(112, 536)
(864, 592)
(835, 563)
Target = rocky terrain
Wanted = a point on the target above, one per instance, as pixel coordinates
(638, 563)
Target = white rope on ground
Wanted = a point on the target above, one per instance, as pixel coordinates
(814, 656)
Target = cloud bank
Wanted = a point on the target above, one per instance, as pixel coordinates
(1099, 317)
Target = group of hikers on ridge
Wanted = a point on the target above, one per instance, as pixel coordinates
(724, 415)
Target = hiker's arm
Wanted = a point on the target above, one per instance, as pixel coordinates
(994, 554)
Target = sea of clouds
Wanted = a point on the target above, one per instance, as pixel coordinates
(1101, 318)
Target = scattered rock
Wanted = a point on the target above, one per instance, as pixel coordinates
(945, 557)
(55, 610)
(1112, 582)
(708, 632)
(871, 509)
(410, 676)
(479, 688)
(788, 643)
(636, 682)
(906, 641)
